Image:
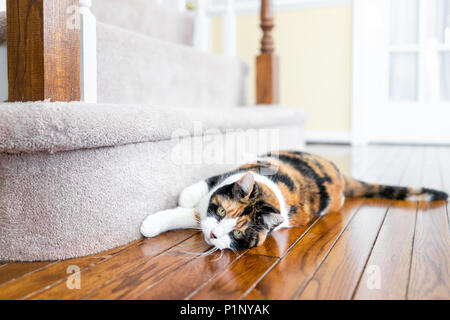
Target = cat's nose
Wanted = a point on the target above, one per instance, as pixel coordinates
(212, 235)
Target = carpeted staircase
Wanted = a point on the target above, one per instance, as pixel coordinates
(78, 178)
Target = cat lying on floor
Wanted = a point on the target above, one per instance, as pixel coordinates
(239, 209)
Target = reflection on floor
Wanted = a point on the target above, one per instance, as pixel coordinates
(368, 250)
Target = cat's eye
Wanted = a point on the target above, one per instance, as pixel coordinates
(238, 234)
(221, 212)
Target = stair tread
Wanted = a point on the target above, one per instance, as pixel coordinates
(76, 125)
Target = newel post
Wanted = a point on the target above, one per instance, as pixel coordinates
(43, 44)
(267, 86)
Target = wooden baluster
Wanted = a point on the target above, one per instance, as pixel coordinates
(267, 86)
(43, 50)
(229, 29)
(201, 41)
(3, 64)
(181, 4)
(88, 52)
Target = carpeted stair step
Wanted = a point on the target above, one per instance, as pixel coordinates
(134, 68)
(146, 17)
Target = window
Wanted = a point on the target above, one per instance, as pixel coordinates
(419, 50)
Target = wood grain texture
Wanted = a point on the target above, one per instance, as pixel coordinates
(267, 70)
(430, 267)
(16, 270)
(96, 275)
(184, 282)
(386, 274)
(130, 284)
(53, 273)
(43, 50)
(444, 166)
(236, 280)
(338, 275)
(292, 272)
(267, 79)
(278, 243)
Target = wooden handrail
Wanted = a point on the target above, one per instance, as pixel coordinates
(267, 78)
(43, 51)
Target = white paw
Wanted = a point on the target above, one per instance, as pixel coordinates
(152, 226)
(191, 196)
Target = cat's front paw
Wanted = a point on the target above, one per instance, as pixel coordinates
(152, 226)
(191, 196)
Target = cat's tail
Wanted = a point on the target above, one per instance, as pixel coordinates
(356, 188)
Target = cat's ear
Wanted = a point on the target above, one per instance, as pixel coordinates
(272, 220)
(244, 186)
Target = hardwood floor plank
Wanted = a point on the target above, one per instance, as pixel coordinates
(138, 280)
(15, 270)
(278, 243)
(53, 273)
(340, 271)
(377, 160)
(430, 267)
(292, 272)
(237, 279)
(187, 279)
(386, 274)
(431, 177)
(131, 283)
(430, 275)
(444, 165)
(96, 275)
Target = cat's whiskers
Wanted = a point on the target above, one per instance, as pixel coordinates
(206, 253)
(209, 252)
(219, 257)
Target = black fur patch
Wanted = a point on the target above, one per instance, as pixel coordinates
(257, 168)
(393, 193)
(292, 210)
(250, 239)
(212, 181)
(436, 195)
(284, 179)
(308, 172)
(226, 191)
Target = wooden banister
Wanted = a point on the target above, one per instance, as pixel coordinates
(267, 86)
(43, 50)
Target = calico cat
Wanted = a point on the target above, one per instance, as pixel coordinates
(239, 209)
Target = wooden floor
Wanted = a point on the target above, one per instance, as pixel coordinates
(369, 250)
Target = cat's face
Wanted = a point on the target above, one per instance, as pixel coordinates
(240, 215)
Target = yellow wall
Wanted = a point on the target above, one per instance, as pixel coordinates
(314, 46)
